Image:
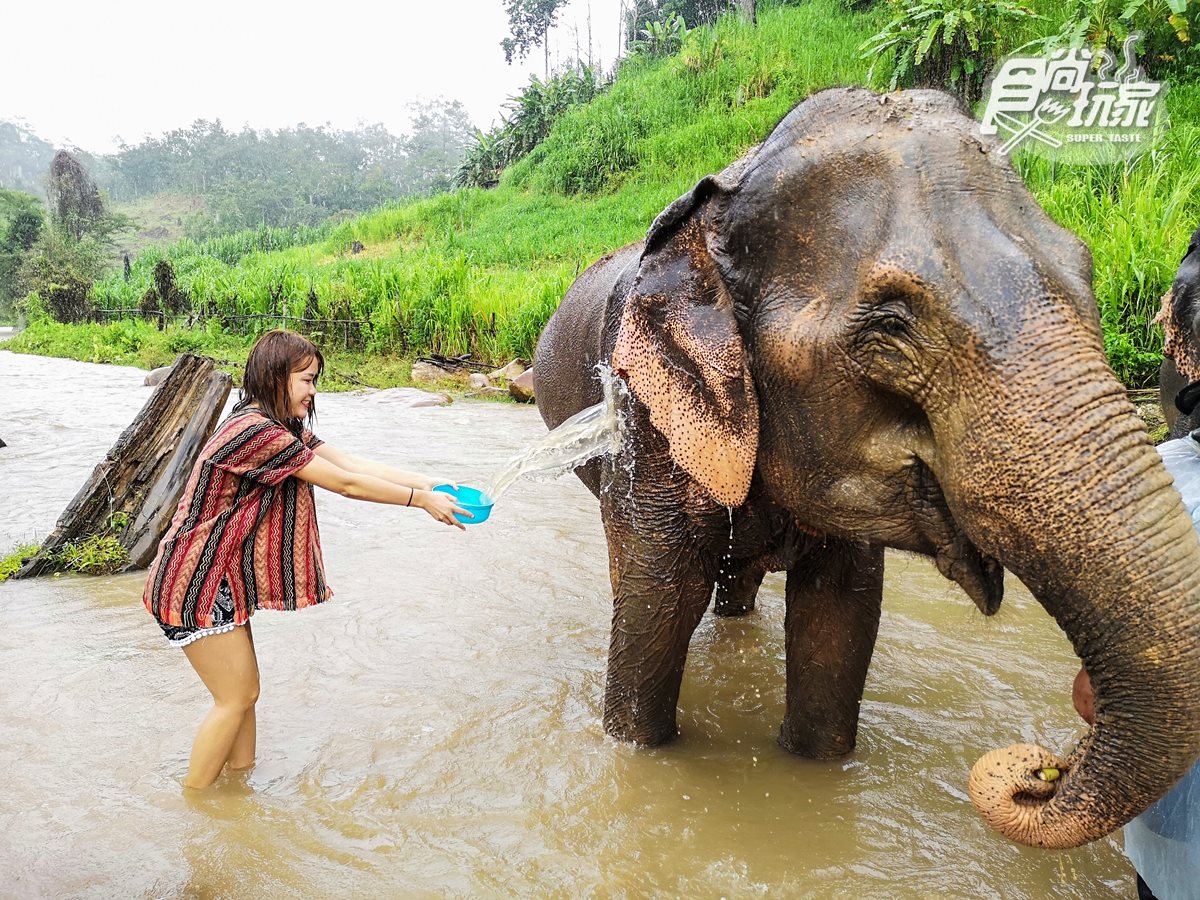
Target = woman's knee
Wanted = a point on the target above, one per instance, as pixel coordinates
(240, 698)
(227, 665)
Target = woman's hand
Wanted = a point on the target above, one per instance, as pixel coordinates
(441, 506)
(1083, 698)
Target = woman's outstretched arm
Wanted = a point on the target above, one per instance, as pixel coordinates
(379, 470)
(364, 486)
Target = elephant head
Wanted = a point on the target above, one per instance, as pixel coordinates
(1180, 318)
(869, 323)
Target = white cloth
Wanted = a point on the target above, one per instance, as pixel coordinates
(1163, 843)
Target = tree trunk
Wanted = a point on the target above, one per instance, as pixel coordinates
(137, 486)
(749, 10)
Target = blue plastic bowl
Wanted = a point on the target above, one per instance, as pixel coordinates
(471, 499)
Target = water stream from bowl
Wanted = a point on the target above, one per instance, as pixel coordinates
(595, 431)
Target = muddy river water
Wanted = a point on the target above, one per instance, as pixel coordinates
(435, 729)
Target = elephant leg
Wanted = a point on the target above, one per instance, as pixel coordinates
(737, 588)
(659, 597)
(833, 605)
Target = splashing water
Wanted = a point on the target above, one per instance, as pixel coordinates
(596, 431)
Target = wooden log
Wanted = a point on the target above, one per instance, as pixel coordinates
(139, 483)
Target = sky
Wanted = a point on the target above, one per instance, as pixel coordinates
(85, 73)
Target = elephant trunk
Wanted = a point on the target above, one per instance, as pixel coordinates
(1060, 482)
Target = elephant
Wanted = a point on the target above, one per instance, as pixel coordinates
(1180, 318)
(863, 334)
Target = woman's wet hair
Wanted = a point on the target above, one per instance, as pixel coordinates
(275, 356)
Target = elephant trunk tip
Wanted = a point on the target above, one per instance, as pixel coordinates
(1012, 789)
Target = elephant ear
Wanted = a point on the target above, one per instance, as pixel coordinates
(680, 351)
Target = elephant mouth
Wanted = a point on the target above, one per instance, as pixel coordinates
(980, 575)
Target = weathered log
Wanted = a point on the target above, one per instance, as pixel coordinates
(134, 491)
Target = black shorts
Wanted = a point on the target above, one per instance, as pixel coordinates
(181, 635)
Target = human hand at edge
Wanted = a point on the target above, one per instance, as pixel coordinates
(442, 507)
(1083, 698)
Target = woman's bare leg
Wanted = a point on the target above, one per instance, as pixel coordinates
(241, 756)
(227, 666)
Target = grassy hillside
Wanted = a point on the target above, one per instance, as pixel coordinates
(481, 271)
(160, 220)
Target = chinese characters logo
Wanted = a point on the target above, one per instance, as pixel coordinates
(1066, 107)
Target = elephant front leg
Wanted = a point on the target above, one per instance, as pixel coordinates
(832, 620)
(660, 594)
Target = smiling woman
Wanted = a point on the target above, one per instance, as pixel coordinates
(244, 537)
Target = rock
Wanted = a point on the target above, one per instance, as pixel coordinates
(494, 391)
(356, 247)
(157, 376)
(479, 381)
(509, 372)
(521, 387)
(408, 398)
(2, 444)
(428, 373)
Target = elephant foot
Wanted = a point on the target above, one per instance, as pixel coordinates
(641, 734)
(729, 608)
(735, 593)
(816, 746)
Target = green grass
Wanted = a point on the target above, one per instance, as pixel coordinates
(1136, 220)
(101, 554)
(11, 563)
(141, 344)
(480, 272)
(159, 219)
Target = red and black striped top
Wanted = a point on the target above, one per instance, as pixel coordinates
(244, 518)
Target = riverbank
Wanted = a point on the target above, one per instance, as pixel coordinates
(142, 345)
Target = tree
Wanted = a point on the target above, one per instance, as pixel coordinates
(529, 24)
(693, 12)
(441, 133)
(21, 221)
(75, 204)
(61, 270)
(69, 255)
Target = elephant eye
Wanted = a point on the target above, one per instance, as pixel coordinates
(893, 320)
(891, 325)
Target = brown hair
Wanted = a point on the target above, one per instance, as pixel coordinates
(273, 359)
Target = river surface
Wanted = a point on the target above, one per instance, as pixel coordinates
(435, 729)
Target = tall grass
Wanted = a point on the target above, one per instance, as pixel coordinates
(480, 271)
(1136, 219)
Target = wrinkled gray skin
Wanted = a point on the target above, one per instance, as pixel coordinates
(1185, 310)
(867, 334)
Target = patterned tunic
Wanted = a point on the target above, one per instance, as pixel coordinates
(244, 519)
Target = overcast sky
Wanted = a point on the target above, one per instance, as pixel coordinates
(85, 73)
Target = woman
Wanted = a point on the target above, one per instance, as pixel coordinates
(244, 537)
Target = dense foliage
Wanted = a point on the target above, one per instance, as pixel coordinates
(21, 220)
(480, 271)
(1166, 27)
(293, 176)
(531, 115)
(948, 44)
